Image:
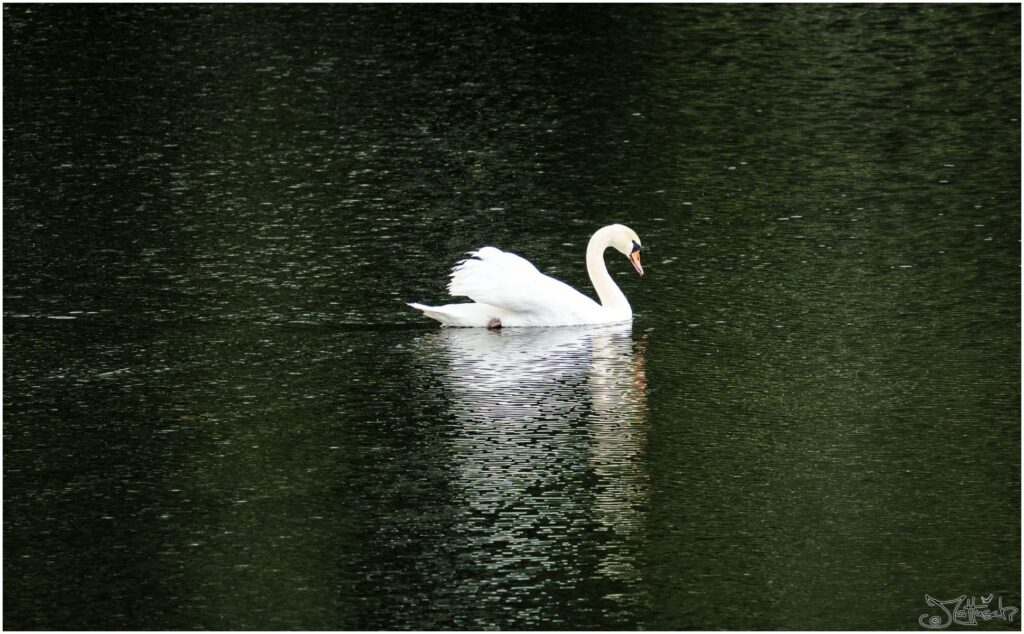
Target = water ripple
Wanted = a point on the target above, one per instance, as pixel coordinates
(548, 434)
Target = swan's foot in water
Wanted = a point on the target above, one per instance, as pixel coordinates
(494, 324)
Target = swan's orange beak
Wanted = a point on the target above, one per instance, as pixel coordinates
(634, 259)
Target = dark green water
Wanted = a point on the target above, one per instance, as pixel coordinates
(218, 412)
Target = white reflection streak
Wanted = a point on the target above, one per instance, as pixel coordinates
(537, 410)
(618, 389)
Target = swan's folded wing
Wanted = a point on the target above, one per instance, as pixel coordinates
(495, 277)
(492, 276)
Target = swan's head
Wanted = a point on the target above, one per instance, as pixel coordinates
(625, 241)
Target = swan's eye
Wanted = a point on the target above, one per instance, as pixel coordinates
(636, 246)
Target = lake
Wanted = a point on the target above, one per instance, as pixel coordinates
(219, 413)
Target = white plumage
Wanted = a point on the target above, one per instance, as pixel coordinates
(509, 291)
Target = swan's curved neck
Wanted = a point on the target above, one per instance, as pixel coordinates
(608, 292)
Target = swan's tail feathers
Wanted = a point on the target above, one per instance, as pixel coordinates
(429, 311)
(470, 315)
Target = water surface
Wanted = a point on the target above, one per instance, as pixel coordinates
(219, 413)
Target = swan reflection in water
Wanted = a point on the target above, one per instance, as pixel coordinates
(546, 447)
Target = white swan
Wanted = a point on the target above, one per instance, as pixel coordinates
(508, 291)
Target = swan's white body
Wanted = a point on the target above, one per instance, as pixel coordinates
(507, 291)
